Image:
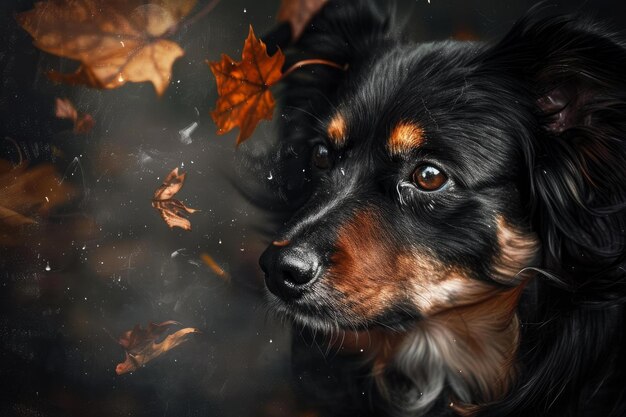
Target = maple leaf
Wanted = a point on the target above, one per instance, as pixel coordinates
(116, 41)
(25, 193)
(298, 13)
(64, 109)
(243, 87)
(171, 209)
(141, 344)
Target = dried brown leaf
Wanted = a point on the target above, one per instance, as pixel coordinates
(171, 209)
(116, 41)
(141, 344)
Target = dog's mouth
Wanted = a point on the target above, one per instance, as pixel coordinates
(308, 314)
(332, 330)
(327, 318)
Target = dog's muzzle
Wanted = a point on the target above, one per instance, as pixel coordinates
(290, 270)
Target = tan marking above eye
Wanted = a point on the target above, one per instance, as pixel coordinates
(404, 138)
(337, 129)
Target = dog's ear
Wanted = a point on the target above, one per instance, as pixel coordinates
(575, 72)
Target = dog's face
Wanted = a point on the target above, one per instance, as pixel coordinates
(441, 178)
(417, 206)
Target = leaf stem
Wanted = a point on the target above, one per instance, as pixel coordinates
(306, 62)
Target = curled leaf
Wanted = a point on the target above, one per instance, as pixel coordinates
(116, 41)
(243, 87)
(64, 109)
(298, 13)
(141, 344)
(171, 209)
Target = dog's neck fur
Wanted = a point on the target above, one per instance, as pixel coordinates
(469, 351)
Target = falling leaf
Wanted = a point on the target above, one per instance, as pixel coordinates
(141, 345)
(171, 209)
(298, 13)
(64, 109)
(243, 87)
(210, 262)
(25, 193)
(116, 41)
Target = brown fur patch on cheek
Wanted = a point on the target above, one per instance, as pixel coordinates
(517, 250)
(434, 287)
(404, 138)
(372, 274)
(337, 130)
(361, 267)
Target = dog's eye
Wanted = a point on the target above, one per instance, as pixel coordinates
(429, 178)
(321, 157)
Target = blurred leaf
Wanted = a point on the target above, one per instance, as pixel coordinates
(243, 88)
(141, 346)
(171, 209)
(210, 262)
(26, 193)
(116, 41)
(298, 13)
(64, 109)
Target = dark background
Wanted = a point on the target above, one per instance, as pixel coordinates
(113, 262)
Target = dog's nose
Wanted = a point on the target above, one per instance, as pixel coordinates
(289, 270)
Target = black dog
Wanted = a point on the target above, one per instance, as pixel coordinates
(456, 214)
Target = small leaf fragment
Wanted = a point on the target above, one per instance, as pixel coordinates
(64, 109)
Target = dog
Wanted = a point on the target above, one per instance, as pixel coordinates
(454, 217)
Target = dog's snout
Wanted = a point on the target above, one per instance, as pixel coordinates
(289, 270)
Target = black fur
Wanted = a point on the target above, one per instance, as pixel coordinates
(532, 127)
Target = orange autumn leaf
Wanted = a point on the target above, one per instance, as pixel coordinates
(171, 209)
(298, 13)
(141, 344)
(116, 41)
(243, 87)
(26, 194)
(64, 109)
